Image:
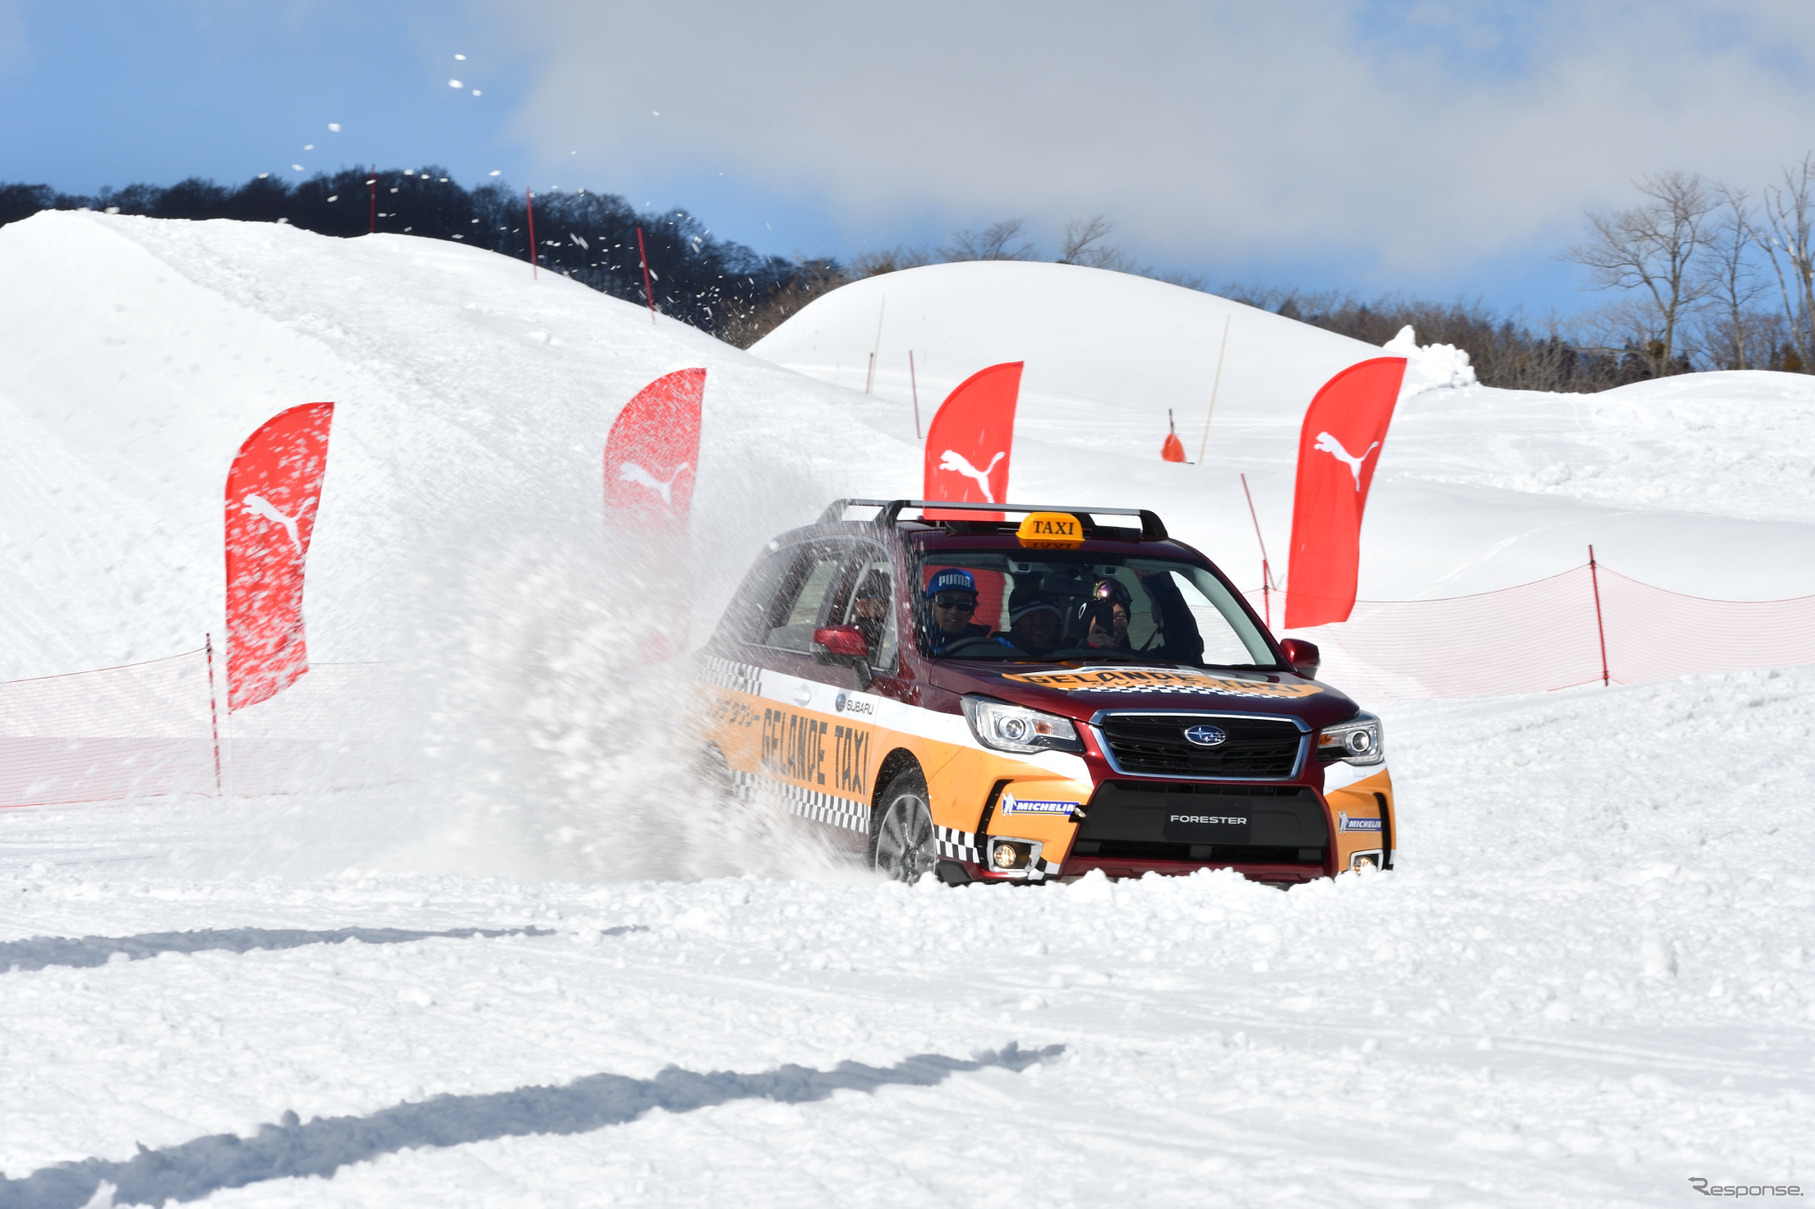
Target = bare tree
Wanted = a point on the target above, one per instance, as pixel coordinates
(1788, 238)
(1652, 248)
(1083, 245)
(887, 260)
(991, 243)
(1729, 325)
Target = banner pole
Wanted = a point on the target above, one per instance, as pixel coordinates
(1600, 629)
(374, 183)
(529, 204)
(649, 294)
(1215, 383)
(1255, 517)
(915, 387)
(214, 716)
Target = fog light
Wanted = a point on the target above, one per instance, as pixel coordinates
(1369, 861)
(1008, 856)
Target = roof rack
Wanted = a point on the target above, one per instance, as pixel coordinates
(1152, 528)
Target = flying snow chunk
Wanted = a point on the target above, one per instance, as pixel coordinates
(462, 58)
(496, 171)
(334, 126)
(476, 92)
(455, 84)
(308, 146)
(296, 167)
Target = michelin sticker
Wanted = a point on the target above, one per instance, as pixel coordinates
(1160, 680)
(1013, 805)
(1345, 823)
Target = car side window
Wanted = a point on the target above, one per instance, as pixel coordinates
(802, 602)
(869, 604)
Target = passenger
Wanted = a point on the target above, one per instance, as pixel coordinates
(870, 609)
(1106, 614)
(1035, 624)
(951, 597)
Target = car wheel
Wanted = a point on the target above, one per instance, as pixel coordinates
(901, 837)
(713, 774)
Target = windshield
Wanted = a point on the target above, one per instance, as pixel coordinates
(1054, 606)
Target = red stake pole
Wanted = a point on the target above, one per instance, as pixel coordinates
(214, 717)
(643, 257)
(1594, 577)
(529, 202)
(1266, 599)
(374, 183)
(1255, 517)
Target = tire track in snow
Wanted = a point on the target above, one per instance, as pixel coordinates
(21, 956)
(198, 1168)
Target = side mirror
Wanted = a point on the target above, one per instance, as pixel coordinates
(845, 641)
(1303, 656)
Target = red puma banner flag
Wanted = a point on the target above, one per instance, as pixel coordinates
(970, 439)
(273, 489)
(653, 451)
(1338, 448)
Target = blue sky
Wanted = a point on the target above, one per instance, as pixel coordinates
(1446, 150)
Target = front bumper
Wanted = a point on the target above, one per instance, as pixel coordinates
(1276, 833)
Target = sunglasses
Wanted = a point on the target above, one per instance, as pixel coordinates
(949, 601)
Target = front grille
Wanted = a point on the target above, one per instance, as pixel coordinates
(1155, 745)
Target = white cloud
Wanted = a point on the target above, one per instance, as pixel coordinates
(1424, 133)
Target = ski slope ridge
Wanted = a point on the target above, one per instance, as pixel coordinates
(1702, 484)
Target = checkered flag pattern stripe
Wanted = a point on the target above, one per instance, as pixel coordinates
(1188, 690)
(738, 677)
(958, 845)
(808, 803)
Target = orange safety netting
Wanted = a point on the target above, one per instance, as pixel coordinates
(145, 729)
(1545, 635)
(118, 732)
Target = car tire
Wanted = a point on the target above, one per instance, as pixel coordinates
(902, 843)
(713, 773)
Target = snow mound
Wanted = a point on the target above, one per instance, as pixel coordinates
(1429, 366)
(1087, 335)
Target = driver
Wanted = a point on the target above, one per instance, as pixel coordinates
(951, 598)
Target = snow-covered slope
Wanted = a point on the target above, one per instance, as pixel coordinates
(1588, 981)
(1703, 484)
(472, 407)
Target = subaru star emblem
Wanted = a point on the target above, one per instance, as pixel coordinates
(838, 704)
(1206, 736)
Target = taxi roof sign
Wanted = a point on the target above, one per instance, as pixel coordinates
(1050, 531)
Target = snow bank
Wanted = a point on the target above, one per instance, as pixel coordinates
(1429, 366)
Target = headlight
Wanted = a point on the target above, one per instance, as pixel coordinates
(1008, 727)
(1357, 741)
